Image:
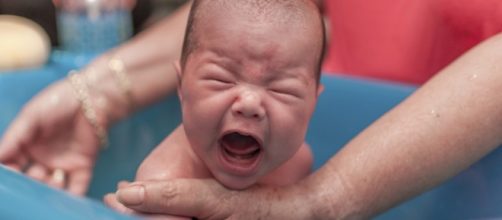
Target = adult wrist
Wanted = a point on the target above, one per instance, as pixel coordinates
(288, 202)
(328, 195)
(104, 92)
(115, 100)
(88, 107)
(303, 204)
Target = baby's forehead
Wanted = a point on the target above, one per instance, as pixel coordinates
(299, 18)
(277, 11)
(258, 17)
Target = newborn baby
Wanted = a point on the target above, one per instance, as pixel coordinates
(248, 85)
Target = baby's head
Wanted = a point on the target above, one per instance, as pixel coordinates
(249, 81)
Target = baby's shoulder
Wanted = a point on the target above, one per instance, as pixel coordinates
(172, 158)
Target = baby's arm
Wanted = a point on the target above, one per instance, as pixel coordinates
(295, 169)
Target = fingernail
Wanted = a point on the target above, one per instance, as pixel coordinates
(132, 195)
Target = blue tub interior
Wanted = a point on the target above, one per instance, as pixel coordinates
(346, 107)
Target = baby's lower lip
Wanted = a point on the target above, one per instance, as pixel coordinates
(241, 165)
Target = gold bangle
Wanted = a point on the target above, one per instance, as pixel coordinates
(82, 94)
(119, 71)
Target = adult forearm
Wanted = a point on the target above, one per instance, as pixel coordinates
(445, 126)
(148, 60)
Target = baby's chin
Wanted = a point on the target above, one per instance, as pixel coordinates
(236, 183)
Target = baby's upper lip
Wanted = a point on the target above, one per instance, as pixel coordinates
(243, 132)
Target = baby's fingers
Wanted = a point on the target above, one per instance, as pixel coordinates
(123, 184)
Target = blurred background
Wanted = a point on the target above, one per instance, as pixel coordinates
(71, 32)
(43, 12)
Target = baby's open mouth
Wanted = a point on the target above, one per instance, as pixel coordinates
(240, 148)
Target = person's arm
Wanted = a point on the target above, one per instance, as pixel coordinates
(148, 59)
(56, 136)
(451, 122)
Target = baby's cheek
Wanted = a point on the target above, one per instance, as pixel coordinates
(291, 128)
(288, 143)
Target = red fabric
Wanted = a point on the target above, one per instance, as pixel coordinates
(405, 40)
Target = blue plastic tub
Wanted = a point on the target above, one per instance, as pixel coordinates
(345, 108)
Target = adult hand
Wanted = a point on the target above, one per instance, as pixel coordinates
(51, 140)
(111, 201)
(207, 199)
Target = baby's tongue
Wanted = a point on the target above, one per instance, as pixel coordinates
(240, 145)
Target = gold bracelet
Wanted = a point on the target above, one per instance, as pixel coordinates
(119, 71)
(82, 93)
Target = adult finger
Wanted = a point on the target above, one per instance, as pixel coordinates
(111, 201)
(79, 181)
(18, 162)
(58, 178)
(21, 131)
(38, 172)
(13, 166)
(205, 199)
(208, 199)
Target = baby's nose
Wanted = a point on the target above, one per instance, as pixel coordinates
(249, 105)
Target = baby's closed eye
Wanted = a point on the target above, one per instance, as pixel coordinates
(286, 92)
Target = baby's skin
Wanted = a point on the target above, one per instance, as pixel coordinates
(174, 158)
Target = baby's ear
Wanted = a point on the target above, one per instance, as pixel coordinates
(177, 68)
(179, 74)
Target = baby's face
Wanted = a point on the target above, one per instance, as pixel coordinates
(247, 94)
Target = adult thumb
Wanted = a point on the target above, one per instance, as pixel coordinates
(201, 198)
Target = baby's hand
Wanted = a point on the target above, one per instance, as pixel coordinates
(111, 201)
